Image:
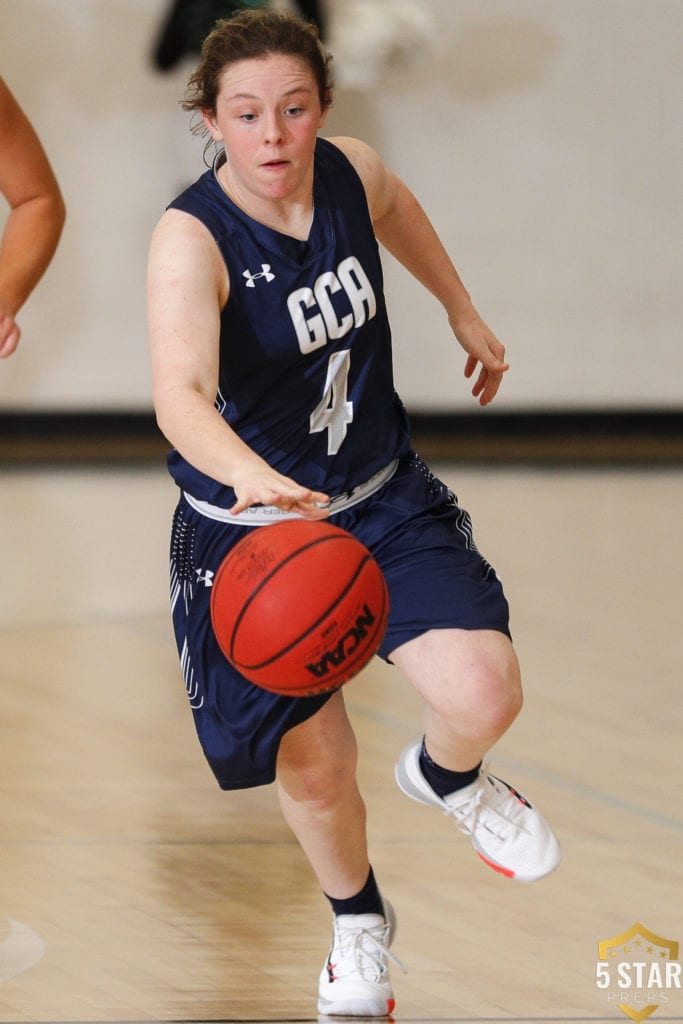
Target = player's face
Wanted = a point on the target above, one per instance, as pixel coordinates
(268, 114)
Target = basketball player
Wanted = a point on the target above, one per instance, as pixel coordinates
(35, 220)
(272, 372)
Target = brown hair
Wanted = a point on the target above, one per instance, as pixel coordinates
(256, 33)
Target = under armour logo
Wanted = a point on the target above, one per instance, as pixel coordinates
(264, 272)
(206, 578)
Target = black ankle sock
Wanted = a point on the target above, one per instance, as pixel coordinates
(441, 779)
(367, 901)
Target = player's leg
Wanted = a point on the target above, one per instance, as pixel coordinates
(471, 685)
(470, 682)
(320, 799)
(448, 631)
(251, 737)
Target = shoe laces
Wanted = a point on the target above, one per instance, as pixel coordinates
(466, 816)
(362, 951)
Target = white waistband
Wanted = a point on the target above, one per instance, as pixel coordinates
(262, 515)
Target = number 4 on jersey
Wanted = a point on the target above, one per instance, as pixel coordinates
(334, 412)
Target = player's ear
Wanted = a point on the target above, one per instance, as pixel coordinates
(209, 119)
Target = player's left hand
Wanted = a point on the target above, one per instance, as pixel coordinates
(484, 350)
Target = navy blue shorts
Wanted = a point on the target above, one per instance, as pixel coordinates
(436, 578)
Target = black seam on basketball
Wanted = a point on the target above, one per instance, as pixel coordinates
(261, 585)
(221, 569)
(314, 625)
(355, 666)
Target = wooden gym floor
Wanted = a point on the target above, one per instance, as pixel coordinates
(132, 889)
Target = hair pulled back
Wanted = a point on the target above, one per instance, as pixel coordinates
(252, 34)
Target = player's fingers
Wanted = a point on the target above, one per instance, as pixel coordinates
(486, 387)
(240, 505)
(292, 493)
(289, 497)
(317, 498)
(309, 509)
(9, 337)
(315, 505)
(470, 365)
(495, 362)
(312, 512)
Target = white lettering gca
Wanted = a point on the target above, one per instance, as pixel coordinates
(312, 310)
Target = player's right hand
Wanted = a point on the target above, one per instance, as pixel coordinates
(264, 486)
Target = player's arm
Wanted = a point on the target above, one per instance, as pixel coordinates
(35, 219)
(402, 226)
(187, 289)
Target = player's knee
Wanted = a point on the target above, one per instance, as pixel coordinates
(324, 784)
(497, 698)
(509, 705)
(318, 773)
(486, 703)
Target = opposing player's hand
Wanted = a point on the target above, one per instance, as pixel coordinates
(484, 351)
(9, 334)
(264, 486)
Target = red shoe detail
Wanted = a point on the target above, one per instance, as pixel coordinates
(496, 867)
(522, 799)
(391, 1003)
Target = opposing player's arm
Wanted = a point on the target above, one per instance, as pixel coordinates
(32, 229)
(402, 226)
(187, 288)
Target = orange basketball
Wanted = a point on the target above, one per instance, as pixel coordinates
(299, 607)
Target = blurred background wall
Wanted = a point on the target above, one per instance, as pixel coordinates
(542, 136)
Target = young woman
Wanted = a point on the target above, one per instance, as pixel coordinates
(36, 217)
(272, 371)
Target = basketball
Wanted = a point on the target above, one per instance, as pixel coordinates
(299, 607)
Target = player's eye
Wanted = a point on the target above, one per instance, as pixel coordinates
(247, 117)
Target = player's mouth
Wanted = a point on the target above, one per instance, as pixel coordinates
(275, 165)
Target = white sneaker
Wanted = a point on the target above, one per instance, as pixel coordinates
(509, 835)
(355, 979)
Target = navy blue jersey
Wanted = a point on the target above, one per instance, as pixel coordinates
(305, 369)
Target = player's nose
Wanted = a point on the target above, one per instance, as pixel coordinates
(273, 128)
